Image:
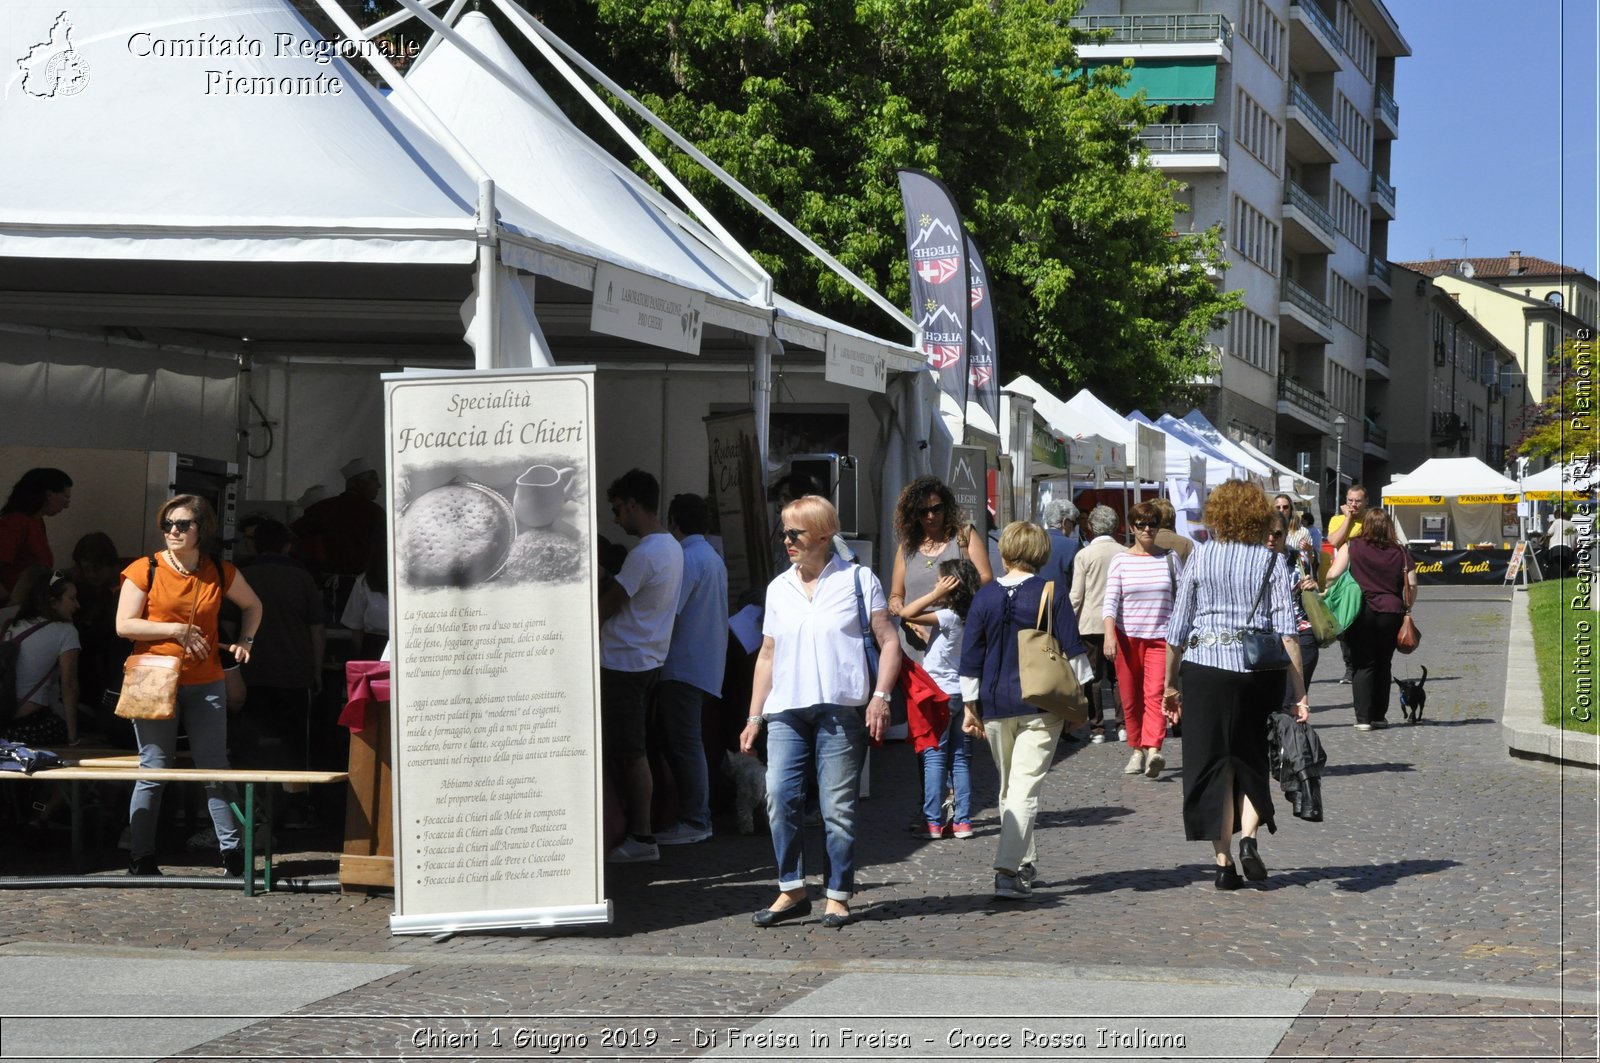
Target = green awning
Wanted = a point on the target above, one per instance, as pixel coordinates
(1170, 81)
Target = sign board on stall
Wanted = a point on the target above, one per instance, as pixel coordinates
(495, 643)
(738, 497)
(969, 482)
(855, 364)
(636, 307)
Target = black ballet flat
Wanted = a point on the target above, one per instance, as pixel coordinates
(835, 920)
(1250, 859)
(768, 917)
(1227, 877)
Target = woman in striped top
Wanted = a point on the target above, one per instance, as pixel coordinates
(1227, 587)
(1139, 590)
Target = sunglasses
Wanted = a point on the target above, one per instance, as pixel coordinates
(57, 577)
(180, 526)
(1145, 524)
(928, 511)
(793, 535)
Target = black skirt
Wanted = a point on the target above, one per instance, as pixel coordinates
(1225, 727)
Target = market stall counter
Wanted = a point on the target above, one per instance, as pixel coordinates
(1446, 563)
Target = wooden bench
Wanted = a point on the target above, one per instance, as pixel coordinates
(120, 767)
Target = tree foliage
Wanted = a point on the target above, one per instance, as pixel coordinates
(1562, 427)
(815, 105)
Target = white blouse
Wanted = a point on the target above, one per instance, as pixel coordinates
(819, 656)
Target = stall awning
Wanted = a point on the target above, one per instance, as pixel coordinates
(1171, 81)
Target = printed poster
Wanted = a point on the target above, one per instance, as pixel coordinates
(496, 729)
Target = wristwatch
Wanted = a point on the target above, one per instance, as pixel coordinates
(880, 694)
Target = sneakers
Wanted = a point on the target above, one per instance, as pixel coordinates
(961, 830)
(1122, 734)
(1098, 738)
(1028, 874)
(933, 831)
(682, 834)
(1378, 725)
(1347, 678)
(1011, 887)
(634, 851)
(201, 840)
(144, 866)
(1135, 765)
(233, 862)
(1153, 766)
(1363, 727)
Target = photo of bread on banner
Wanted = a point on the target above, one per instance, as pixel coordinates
(464, 525)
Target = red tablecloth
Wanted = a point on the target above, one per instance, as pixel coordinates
(365, 681)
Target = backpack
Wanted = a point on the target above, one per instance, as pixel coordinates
(10, 652)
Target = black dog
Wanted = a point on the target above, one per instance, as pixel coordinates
(1413, 697)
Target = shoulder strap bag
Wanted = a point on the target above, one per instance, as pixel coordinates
(150, 680)
(869, 644)
(1045, 674)
(1263, 647)
(1323, 626)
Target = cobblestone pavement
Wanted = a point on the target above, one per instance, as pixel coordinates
(1445, 908)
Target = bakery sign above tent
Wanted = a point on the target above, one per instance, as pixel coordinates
(632, 306)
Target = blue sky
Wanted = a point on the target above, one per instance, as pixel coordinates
(1497, 130)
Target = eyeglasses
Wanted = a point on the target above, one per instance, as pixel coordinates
(57, 577)
(793, 535)
(929, 511)
(1274, 535)
(1145, 524)
(180, 526)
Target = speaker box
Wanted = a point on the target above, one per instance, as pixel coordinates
(836, 475)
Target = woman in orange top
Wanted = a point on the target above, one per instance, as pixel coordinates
(159, 595)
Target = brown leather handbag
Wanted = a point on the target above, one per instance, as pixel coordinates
(150, 680)
(1409, 638)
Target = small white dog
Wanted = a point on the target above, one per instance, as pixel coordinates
(749, 778)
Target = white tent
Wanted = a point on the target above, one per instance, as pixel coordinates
(1287, 480)
(1250, 461)
(1182, 462)
(1106, 447)
(1220, 466)
(1569, 481)
(1466, 490)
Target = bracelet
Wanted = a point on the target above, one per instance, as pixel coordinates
(879, 694)
(248, 640)
(748, 720)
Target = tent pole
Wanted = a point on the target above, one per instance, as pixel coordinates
(487, 354)
(761, 395)
(242, 379)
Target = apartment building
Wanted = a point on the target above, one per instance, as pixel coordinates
(1280, 121)
(1457, 389)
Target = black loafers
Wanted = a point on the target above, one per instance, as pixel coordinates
(1227, 877)
(1250, 859)
(835, 920)
(768, 917)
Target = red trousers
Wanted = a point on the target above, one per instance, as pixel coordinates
(1142, 678)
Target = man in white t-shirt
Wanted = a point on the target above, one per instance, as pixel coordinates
(636, 615)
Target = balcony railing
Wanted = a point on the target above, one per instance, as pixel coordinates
(1314, 14)
(1298, 296)
(1377, 267)
(1156, 29)
(1377, 351)
(1192, 138)
(1299, 97)
(1376, 435)
(1384, 101)
(1383, 189)
(1295, 196)
(1297, 393)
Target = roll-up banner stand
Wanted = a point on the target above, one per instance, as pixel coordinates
(495, 644)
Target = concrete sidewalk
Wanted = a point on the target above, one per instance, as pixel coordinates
(1445, 908)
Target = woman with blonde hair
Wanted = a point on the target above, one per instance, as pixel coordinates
(1228, 590)
(1387, 576)
(815, 691)
(1022, 739)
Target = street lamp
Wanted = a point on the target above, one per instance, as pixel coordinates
(1338, 457)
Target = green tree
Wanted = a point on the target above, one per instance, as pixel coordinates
(1562, 427)
(815, 105)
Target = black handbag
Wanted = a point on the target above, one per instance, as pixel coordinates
(1263, 647)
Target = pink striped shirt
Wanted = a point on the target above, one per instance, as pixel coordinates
(1139, 593)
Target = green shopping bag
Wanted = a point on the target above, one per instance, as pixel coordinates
(1323, 625)
(1344, 599)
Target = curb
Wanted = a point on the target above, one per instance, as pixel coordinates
(1527, 735)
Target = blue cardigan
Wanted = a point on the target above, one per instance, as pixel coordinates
(990, 650)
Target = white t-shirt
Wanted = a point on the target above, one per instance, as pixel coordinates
(38, 653)
(819, 656)
(637, 638)
(943, 659)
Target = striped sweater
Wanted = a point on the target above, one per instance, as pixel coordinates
(1139, 589)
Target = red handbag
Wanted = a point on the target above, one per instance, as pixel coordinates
(1409, 638)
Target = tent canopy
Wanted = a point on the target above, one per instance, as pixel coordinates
(1570, 481)
(1466, 480)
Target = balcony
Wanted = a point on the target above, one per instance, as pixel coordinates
(1385, 114)
(1155, 36)
(1190, 148)
(1315, 45)
(1377, 359)
(1378, 278)
(1299, 403)
(1312, 136)
(1376, 443)
(1307, 225)
(1382, 199)
(1302, 317)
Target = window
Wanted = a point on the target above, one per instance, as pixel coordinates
(1257, 131)
(1359, 44)
(1255, 236)
(1264, 31)
(1254, 339)
(1350, 216)
(1343, 389)
(1349, 303)
(1354, 130)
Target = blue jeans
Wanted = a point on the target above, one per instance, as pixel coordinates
(838, 735)
(678, 708)
(952, 757)
(203, 710)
